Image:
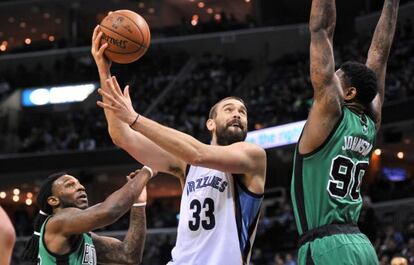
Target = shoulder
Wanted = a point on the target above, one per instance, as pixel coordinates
(57, 220)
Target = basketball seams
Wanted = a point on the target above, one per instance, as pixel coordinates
(123, 52)
(140, 31)
(142, 46)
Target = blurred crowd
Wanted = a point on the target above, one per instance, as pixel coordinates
(284, 95)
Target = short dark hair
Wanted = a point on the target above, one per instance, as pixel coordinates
(358, 75)
(213, 111)
(32, 246)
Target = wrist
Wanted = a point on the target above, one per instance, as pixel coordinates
(139, 204)
(133, 120)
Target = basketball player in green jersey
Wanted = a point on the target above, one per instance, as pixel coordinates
(62, 229)
(333, 152)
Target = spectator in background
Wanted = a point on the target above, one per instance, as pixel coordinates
(399, 260)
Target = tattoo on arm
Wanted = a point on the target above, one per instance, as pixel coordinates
(381, 43)
(129, 250)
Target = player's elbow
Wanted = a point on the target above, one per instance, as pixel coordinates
(132, 258)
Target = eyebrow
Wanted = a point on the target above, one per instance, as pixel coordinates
(232, 104)
(69, 180)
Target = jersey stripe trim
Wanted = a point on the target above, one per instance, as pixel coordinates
(299, 194)
(309, 260)
(238, 216)
(247, 209)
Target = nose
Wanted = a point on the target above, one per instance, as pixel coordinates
(236, 114)
(81, 187)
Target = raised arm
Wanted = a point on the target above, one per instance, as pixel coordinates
(130, 250)
(326, 108)
(239, 158)
(379, 51)
(137, 145)
(73, 221)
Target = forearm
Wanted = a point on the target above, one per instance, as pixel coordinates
(381, 44)
(120, 201)
(384, 32)
(179, 144)
(133, 244)
(323, 17)
(117, 130)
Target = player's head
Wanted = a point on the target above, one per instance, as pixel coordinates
(59, 190)
(227, 121)
(399, 260)
(359, 83)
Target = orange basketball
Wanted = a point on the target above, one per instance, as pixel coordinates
(127, 34)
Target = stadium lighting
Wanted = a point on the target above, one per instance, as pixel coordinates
(3, 195)
(16, 198)
(16, 191)
(400, 155)
(56, 95)
(29, 202)
(378, 152)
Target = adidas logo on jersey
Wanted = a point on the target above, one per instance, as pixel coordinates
(207, 181)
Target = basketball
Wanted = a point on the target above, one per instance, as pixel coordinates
(127, 34)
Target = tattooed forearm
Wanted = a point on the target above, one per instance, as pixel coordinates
(130, 250)
(381, 44)
(384, 32)
(323, 16)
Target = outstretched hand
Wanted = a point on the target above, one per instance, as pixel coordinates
(97, 50)
(117, 101)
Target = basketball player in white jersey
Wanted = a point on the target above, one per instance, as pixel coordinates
(223, 190)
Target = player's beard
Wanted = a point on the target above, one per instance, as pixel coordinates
(226, 136)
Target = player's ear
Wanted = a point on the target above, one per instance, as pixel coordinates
(211, 125)
(53, 201)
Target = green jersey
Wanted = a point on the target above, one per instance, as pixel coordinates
(326, 182)
(83, 252)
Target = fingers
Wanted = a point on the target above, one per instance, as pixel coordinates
(116, 86)
(106, 106)
(95, 32)
(126, 92)
(103, 47)
(133, 174)
(97, 41)
(115, 103)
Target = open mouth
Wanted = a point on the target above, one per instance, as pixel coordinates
(235, 124)
(83, 197)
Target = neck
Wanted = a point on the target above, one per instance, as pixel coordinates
(214, 140)
(357, 107)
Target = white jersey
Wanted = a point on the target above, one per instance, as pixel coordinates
(218, 220)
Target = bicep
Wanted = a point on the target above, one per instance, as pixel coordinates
(148, 153)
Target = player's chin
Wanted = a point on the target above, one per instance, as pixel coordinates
(83, 204)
